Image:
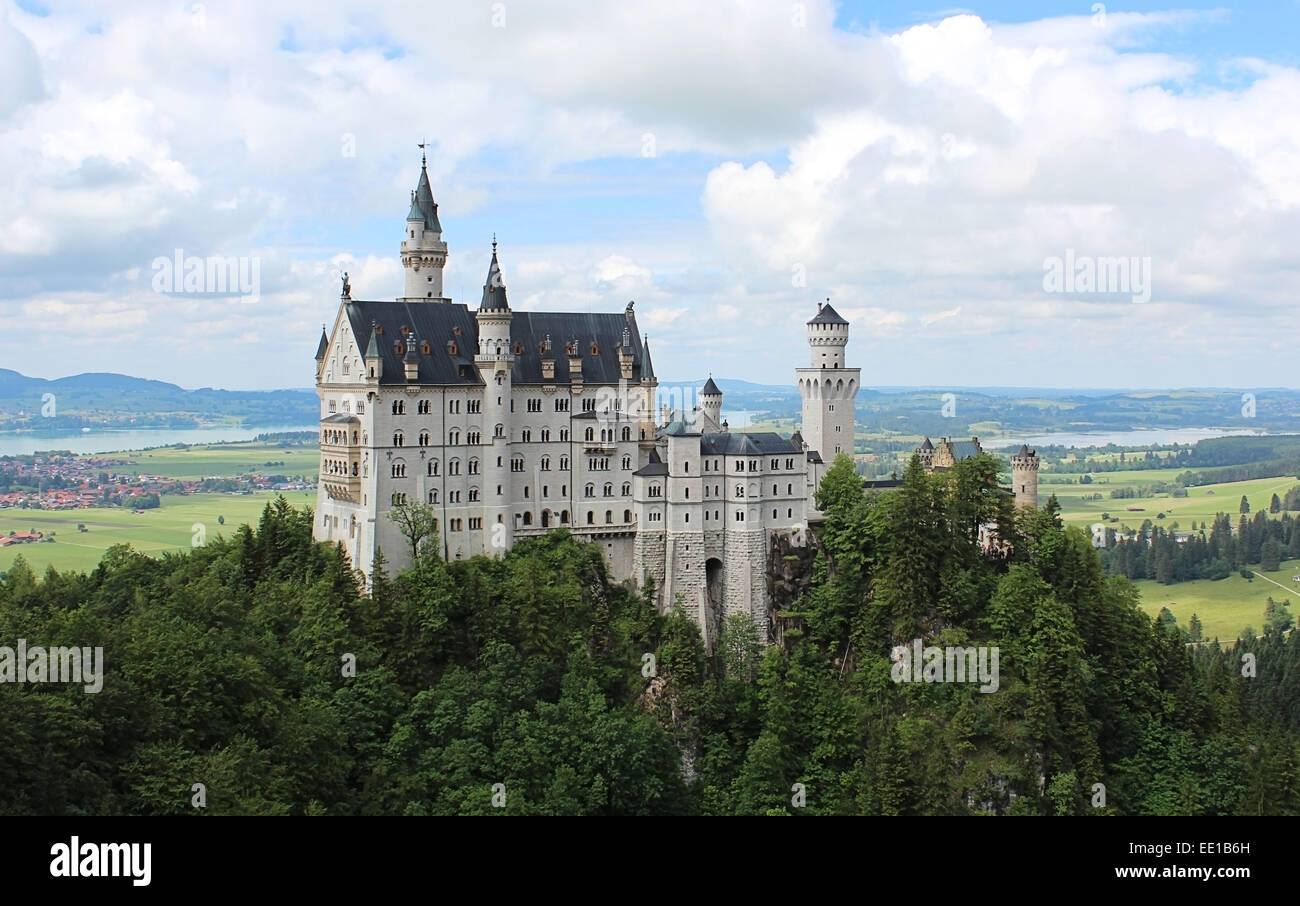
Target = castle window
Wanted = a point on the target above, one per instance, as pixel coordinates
(740, 490)
(473, 494)
(564, 463)
(546, 464)
(473, 466)
(595, 350)
(688, 493)
(627, 515)
(789, 489)
(499, 431)
(609, 517)
(627, 488)
(564, 517)
(399, 407)
(433, 496)
(424, 438)
(590, 435)
(686, 466)
(473, 437)
(773, 514)
(564, 435)
(789, 513)
(627, 433)
(476, 522)
(686, 517)
(399, 348)
(589, 491)
(526, 435)
(398, 499)
(453, 348)
(519, 349)
(399, 439)
(424, 347)
(546, 435)
(528, 518)
(546, 490)
(453, 467)
(433, 467)
(361, 408)
(609, 490)
(789, 463)
(591, 518)
(453, 437)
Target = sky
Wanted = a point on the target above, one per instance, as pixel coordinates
(949, 177)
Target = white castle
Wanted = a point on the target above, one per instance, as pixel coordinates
(513, 423)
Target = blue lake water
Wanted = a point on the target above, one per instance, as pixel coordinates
(94, 441)
(1138, 438)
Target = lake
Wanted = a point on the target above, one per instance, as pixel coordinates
(94, 441)
(1137, 438)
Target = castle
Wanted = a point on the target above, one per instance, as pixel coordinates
(1024, 464)
(511, 423)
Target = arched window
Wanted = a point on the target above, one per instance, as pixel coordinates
(627, 488)
(546, 464)
(564, 463)
(609, 517)
(399, 439)
(627, 433)
(609, 489)
(627, 462)
(591, 518)
(433, 467)
(590, 434)
(589, 491)
(564, 517)
(453, 467)
(528, 518)
(433, 496)
(499, 431)
(627, 515)
(473, 466)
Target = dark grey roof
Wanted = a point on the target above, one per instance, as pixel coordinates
(882, 483)
(797, 439)
(372, 348)
(494, 288)
(678, 428)
(814, 456)
(827, 315)
(1025, 451)
(436, 323)
(760, 443)
(964, 449)
(647, 368)
(655, 466)
(710, 389)
(340, 417)
(324, 345)
(927, 446)
(422, 204)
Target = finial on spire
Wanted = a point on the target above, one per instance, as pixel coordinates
(494, 243)
(424, 160)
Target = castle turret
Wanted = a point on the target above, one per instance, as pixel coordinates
(829, 390)
(494, 362)
(926, 452)
(321, 349)
(1024, 477)
(374, 361)
(711, 406)
(424, 254)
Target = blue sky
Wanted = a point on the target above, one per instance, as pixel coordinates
(725, 166)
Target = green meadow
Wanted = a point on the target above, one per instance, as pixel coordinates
(1224, 606)
(223, 460)
(170, 527)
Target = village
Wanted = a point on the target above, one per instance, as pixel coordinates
(63, 481)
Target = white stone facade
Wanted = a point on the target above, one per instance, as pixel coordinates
(510, 424)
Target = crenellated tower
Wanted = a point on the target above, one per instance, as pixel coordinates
(829, 390)
(1024, 477)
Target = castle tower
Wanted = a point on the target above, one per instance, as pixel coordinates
(1024, 477)
(926, 452)
(494, 361)
(711, 407)
(827, 387)
(424, 254)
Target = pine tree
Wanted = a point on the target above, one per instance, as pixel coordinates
(1275, 505)
(1245, 505)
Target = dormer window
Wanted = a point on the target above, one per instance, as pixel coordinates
(519, 349)
(595, 350)
(453, 348)
(455, 331)
(424, 347)
(399, 348)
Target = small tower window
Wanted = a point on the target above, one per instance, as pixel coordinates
(595, 350)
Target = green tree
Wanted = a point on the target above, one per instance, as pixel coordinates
(417, 522)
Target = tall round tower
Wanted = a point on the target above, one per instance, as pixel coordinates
(1024, 477)
(424, 254)
(494, 362)
(829, 389)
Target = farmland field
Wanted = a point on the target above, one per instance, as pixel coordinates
(169, 527)
(1227, 605)
(222, 460)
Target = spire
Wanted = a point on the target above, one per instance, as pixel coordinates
(324, 344)
(710, 389)
(494, 288)
(412, 348)
(647, 368)
(372, 349)
(423, 207)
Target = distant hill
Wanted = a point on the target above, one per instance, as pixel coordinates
(102, 399)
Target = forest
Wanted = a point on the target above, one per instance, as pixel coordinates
(531, 684)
